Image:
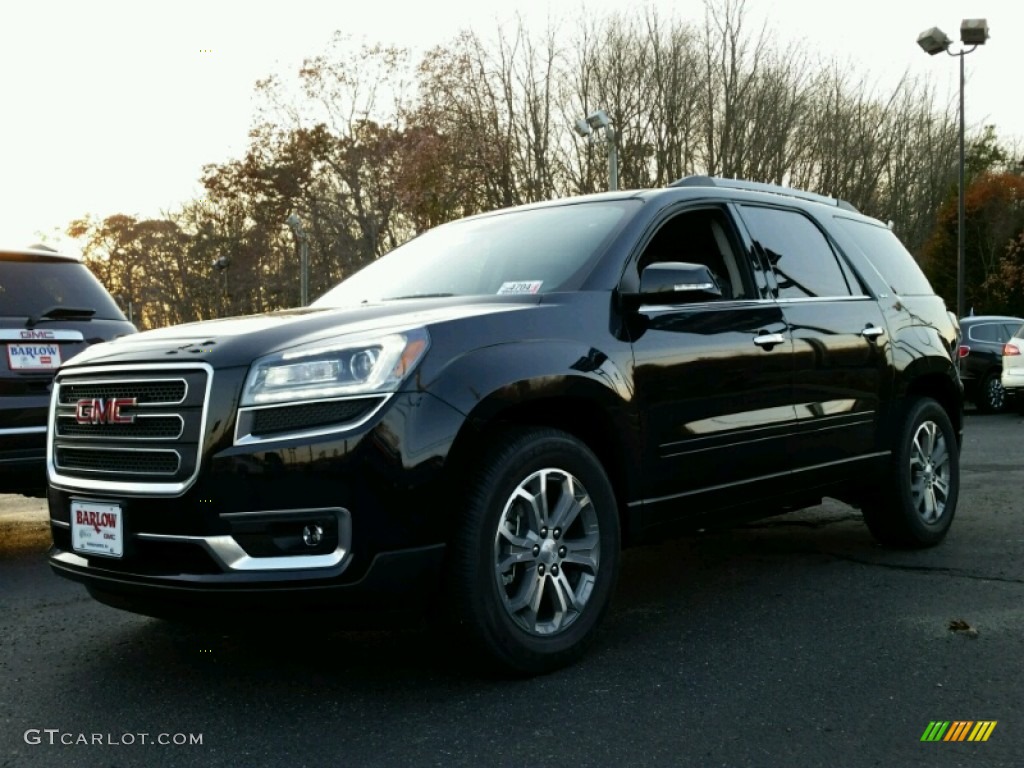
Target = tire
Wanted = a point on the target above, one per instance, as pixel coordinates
(991, 395)
(528, 593)
(914, 507)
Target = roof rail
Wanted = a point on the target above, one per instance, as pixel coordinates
(754, 186)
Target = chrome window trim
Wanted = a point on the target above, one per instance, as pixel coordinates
(228, 553)
(816, 299)
(178, 416)
(718, 303)
(24, 431)
(250, 439)
(128, 488)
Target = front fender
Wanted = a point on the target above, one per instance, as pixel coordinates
(485, 381)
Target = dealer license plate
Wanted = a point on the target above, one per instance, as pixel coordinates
(97, 528)
(33, 357)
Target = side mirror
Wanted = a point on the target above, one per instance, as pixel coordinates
(676, 281)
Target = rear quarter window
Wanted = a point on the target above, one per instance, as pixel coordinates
(886, 254)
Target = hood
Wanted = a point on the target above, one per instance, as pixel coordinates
(237, 341)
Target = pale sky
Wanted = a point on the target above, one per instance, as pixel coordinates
(114, 107)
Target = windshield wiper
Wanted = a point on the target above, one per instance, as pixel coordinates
(61, 313)
(418, 296)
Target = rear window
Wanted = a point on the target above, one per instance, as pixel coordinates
(887, 255)
(30, 287)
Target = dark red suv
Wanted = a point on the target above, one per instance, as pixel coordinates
(51, 308)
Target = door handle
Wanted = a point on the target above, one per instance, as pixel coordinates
(769, 340)
(872, 332)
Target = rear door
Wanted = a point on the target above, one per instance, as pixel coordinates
(842, 358)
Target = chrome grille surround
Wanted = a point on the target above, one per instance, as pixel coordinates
(130, 459)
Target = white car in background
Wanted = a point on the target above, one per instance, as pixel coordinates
(1013, 368)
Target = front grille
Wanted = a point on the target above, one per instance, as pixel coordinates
(153, 443)
(144, 428)
(297, 418)
(170, 392)
(130, 461)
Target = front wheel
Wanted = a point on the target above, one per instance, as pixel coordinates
(915, 506)
(535, 556)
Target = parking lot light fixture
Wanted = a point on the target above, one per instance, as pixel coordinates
(295, 224)
(586, 126)
(973, 32)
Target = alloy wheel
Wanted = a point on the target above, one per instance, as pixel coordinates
(547, 552)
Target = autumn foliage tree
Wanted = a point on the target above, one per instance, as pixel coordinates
(370, 146)
(993, 222)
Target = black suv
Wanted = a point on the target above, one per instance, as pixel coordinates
(493, 410)
(981, 359)
(51, 307)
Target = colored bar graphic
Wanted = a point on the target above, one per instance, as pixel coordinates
(959, 730)
(935, 731)
(982, 730)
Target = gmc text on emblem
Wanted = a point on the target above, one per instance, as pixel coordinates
(97, 410)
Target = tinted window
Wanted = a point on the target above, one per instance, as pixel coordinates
(888, 256)
(30, 287)
(1009, 329)
(986, 332)
(699, 237)
(804, 263)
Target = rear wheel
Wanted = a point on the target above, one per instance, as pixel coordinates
(915, 506)
(991, 395)
(536, 554)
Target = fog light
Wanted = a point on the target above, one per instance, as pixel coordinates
(312, 535)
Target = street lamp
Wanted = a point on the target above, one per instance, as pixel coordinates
(300, 235)
(585, 127)
(973, 32)
(221, 264)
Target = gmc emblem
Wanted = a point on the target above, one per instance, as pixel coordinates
(96, 410)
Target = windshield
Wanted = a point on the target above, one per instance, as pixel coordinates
(531, 251)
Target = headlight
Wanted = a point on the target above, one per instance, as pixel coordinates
(335, 368)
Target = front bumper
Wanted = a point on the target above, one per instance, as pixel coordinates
(395, 583)
(235, 542)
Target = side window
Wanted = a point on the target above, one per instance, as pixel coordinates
(887, 255)
(700, 237)
(980, 333)
(804, 263)
(990, 332)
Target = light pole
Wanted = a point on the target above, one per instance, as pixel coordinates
(221, 264)
(300, 235)
(585, 127)
(973, 32)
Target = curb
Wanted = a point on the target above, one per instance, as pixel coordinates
(24, 524)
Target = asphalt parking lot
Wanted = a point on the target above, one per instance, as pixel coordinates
(793, 641)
